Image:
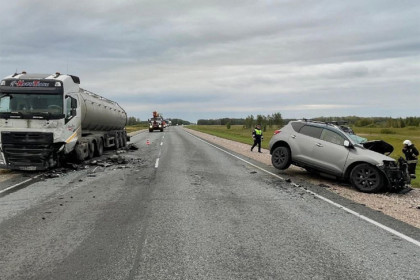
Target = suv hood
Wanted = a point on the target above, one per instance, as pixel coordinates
(379, 146)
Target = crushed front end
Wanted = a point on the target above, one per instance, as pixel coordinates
(396, 172)
(28, 150)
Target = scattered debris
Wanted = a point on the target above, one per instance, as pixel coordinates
(104, 164)
(133, 147)
(288, 180)
(324, 186)
(253, 172)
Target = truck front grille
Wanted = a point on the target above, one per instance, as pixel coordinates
(27, 148)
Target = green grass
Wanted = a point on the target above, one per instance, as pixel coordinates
(236, 133)
(131, 128)
(394, 136)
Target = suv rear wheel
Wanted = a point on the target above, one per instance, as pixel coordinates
(281, 157)
(366, 178)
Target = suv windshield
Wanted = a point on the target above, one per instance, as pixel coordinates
(356, 139)
(27, 104)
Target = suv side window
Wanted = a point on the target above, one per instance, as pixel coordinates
(297, 126)
(312, 131)
(332, 137)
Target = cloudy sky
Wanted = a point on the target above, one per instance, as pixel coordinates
(196, 59)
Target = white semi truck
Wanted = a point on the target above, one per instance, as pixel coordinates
(45, 118)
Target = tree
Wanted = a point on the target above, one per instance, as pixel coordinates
(249, 121)
(277, 119)
(133, 121)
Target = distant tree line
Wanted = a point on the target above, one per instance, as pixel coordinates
(249, 122)
(276, 120)
(134, 121)
(179, 122)
(385, 122)
(223, 121)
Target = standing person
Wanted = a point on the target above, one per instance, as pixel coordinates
(411, 155)
(257, 136)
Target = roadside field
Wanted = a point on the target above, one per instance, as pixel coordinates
(394, 136)
(131, 128)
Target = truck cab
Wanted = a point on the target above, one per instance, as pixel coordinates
(45, 117)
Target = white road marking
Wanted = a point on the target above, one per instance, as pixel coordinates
(390, 230)
(161, 143)
(18, 184)
(157, 163)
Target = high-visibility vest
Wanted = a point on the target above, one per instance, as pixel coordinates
(258, 132)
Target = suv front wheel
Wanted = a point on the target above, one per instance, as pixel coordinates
(366, 178)
(281, 157)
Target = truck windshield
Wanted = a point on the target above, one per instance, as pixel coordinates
(27, 104)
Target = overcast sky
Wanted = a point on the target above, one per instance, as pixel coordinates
(212, 59)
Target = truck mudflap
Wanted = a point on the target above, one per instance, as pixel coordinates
(396, 174)
(29, 150)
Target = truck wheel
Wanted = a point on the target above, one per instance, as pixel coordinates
(366, 178)
(124, 140)
(281, 158)
(117, 142)
(79, 154)
(100, 148)
(150, 130)
(91, 149)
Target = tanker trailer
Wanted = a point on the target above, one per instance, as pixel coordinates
(45, 118)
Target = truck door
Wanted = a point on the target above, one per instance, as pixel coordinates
(72, 122)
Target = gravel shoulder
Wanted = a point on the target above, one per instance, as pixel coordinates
(403, 207)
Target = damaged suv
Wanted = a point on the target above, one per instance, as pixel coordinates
(334, 149)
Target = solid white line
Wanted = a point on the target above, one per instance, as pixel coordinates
(161, 143)
(157, 163)
(18, 184)
(390, 230)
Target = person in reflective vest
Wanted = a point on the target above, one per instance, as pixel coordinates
(257, 136)
(411, 155)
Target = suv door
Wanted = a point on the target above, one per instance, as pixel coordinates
(304, 142)
(329, 152)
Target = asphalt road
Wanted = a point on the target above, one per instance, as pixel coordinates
(180, 208)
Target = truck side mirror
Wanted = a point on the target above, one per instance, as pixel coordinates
(73, 103)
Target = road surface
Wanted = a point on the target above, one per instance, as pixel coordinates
(181, 208)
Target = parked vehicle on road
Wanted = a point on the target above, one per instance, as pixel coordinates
(334, 149)
(45, 118)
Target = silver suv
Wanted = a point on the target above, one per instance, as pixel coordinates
(334, 149)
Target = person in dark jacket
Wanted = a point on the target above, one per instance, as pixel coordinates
(411, 155)
(257, 136)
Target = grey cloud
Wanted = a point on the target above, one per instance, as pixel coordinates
(197, 53)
